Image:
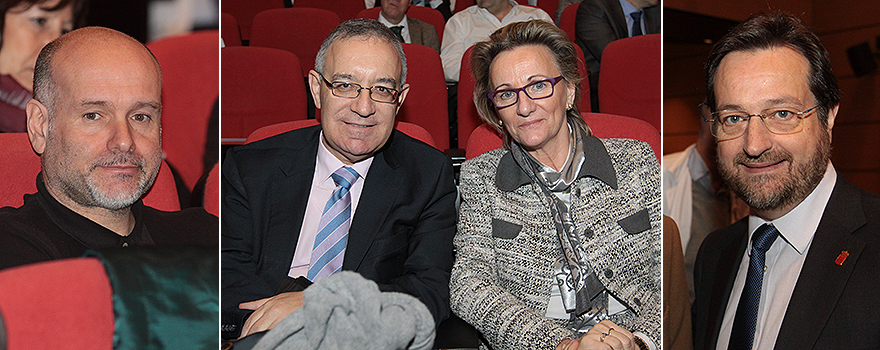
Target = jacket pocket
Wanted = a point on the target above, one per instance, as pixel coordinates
(504, 229)
(640, 221)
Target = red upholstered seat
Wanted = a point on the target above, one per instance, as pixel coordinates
(229, 30)
(425, 103)
(61, 304)
(245, 10)
(463, 4)
(299, 30)
(548, 6)
(345, 9)
(567, 20)
(19, 166)
(425, 14)
(190, 76)
(261, 86)
(414, 131)
(485, 139)
(630, 80)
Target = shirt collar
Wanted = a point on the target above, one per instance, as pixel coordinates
(597, 164)
(327, 163)
(388, 23)
(798, 226)
(627, 8)
(88, 232)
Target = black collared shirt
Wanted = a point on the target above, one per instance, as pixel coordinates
(44, 229)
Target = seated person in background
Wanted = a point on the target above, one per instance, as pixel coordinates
(694, 195)
(599, 22)
(558, 242)
(444, 6)
(95, 121)
(475, 23)
(25, 27)
(394, 195)
(408, 29)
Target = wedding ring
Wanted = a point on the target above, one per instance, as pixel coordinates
(602, 337)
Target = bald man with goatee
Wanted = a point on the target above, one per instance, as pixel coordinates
(95, 121)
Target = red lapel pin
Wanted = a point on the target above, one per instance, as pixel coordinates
(841, 258)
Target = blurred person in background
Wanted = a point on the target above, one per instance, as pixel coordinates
(27, 26)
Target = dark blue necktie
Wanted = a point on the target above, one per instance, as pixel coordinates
(743, 334)
(398, 32)
(637, 23)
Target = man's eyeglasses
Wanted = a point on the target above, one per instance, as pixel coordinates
(537, 90)
(729, 124)
(346, 89)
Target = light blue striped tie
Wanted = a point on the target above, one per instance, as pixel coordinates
(329, 248)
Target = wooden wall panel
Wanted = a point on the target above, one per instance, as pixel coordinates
(741, 9)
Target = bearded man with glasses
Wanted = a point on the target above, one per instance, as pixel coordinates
(392, 197)
(800, 271)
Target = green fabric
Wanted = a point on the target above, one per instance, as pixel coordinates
(163, 297)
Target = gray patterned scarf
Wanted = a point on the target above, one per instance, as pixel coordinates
(581, 289)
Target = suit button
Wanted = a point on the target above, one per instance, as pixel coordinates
(588, 233)
(609, 273)
(637, 302)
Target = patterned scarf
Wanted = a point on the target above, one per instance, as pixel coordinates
(581, 289)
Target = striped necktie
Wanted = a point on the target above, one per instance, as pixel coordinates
(743, 334)
(329, 249)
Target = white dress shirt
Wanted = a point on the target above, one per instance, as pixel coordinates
(321, 190)
(475, 24)
(784, 260)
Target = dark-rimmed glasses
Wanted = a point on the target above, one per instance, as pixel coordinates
(346, 89)
(730, 124)
(537, 90)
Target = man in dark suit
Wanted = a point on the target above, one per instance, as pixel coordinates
(412, 31)
(800, 271)
(599, 22)
(401, 194)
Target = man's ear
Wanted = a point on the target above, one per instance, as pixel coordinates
(832, 114)
(402, 96)
(37, 124)
(315, 87)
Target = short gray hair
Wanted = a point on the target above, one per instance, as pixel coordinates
(362, 28)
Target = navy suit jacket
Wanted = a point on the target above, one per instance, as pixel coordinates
(400, 236)
(833, 306)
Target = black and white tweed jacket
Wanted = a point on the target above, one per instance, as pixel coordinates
(506, 245)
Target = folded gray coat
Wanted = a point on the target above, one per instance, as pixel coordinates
(347, 311)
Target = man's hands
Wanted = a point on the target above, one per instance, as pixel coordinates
(269, 311)
(604, 335)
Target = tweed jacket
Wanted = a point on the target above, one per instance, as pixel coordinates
(507, 246)
(423, 33)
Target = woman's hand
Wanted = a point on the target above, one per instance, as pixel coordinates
(604, 335)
